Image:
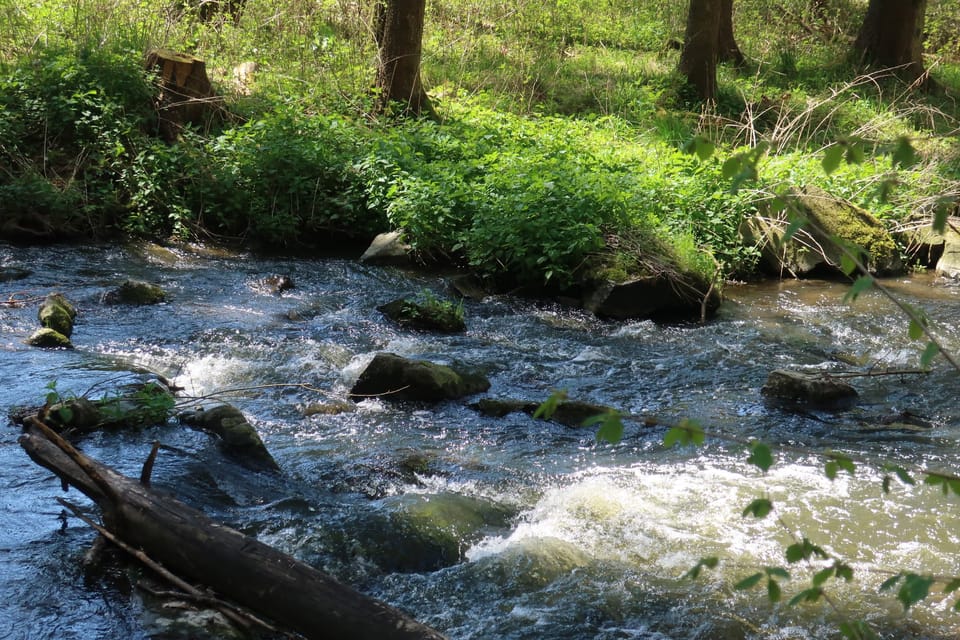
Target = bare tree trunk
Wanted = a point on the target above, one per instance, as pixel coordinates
(698, 60)
(399, 33)
(892, 36)
(727, 49)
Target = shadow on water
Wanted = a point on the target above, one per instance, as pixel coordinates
(507, 528)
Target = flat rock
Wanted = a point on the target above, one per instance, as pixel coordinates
(814, 390)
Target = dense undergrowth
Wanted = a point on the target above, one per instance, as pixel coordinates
(560, 148)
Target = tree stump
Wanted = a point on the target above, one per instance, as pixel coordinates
(186, 95)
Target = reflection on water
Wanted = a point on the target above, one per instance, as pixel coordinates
(596, 537)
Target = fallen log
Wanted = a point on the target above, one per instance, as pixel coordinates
(236, 567)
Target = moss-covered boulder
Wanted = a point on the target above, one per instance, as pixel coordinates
(238, 438)
(135, 406)
(49, 339)
(816, 247)
(533, 563)
(136, 292)
(57, 313)
(394, 377)
(441, 316)
(663, 296)
(813, 390)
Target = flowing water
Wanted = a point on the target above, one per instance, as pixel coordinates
(578, 539)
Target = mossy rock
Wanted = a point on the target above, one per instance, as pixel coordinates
(49, 339)
(439, 316)
(393, 377)
(239, 439)
(136, 292)
(814, 248)
(57, 313)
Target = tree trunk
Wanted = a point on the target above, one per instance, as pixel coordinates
(241, 569)
(727, 49)
(892, 36)
(399, 32)
(698, 60)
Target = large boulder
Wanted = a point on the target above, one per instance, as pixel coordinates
(239, 439)
(815, 248)
(394, 377)
(659, 296)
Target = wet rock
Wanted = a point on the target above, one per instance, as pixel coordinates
(650, 297)
(239, 439)
(426, 532)
(469, 286)
(136, 292)
(49, 339)
(396, 378)
(275, 284)
(10, 274)
(137, 406)
(533, 563)
(333, 408)
(571, 413)
(388, 249)
(433, 315)
(812, 248)
(817, 391)
(57, 313)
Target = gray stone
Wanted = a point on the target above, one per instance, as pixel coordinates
(649, 297)
(239, 438)
(387, 249)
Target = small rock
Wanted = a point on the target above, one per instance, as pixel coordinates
(136, 292)
(387, 249)
(393, 377)
(57, 313)
(48, 338)
(238, 437)
(818, 391)
(435, 315)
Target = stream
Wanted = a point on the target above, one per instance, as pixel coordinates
(556, 536)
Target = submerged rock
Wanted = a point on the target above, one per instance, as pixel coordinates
(393, 377)
(239, 439)
(818, 391)
(136, 292)
(433, 315)
(533, 563)
(571, 413)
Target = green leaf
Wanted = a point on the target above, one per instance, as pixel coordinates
(890, 583)
(704, 563)
(830, 469)
(773, 591)
(777, 572)
(942, 212)
(760, 456)
(915, 588)
(886, 484)
(822, 576)
(831, 158)
(952, 586)
(844, 571)
(611, 426)
(904, 156)
(847, 264)
(929, 353)
(854, 153)
(674, 436)
(807, 595)
(549, 406)
(731, 167)
(759, 508)
(792, 228)
(749, 582)
(934, 480)
(904, 477)
(860, 285)
(857, 630)
(915, 331)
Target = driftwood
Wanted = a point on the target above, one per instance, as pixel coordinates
(238, 568)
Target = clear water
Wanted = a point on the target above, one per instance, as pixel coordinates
(596, 537)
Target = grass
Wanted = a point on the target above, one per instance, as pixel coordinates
(563, 127)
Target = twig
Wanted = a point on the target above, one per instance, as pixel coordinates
(238, 616)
